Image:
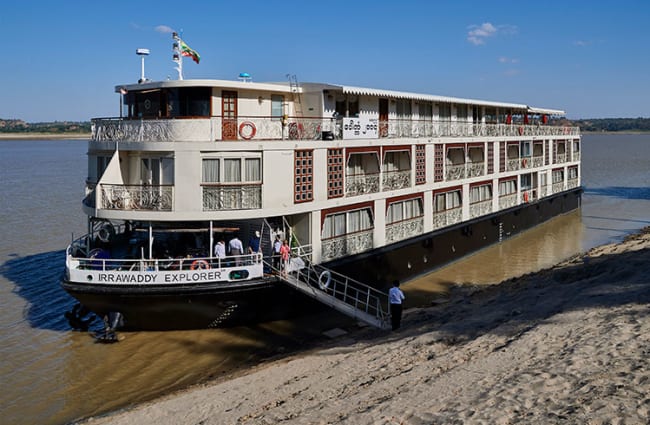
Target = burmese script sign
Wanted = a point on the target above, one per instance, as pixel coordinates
(360, 128)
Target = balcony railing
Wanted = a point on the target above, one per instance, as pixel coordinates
(392, 180)
(359, 184)
(507, 201)
(455, 172)
(297, 128)
(136, 197)
(558, 187)
(346, 245)
(572, 183)
(446, 218)
(404, 229)
(538, 161)
(232, 197)
(561, 157)
(480, 208)
(576, 156)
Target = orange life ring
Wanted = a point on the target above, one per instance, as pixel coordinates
(525, 196)
(524, 162)
(521, 130)
(200, 264)
(247, 135)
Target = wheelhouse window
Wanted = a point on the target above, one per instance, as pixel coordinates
(167, 103)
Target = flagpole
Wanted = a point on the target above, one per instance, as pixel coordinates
(177, 57)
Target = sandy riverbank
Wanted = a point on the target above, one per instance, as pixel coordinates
(570, 344)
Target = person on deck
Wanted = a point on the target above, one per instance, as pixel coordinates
(236, 249)
(395, 298)
(276, 252)
(285, 252)
(254, 246)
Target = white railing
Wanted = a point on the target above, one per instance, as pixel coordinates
(475, 169)
(346, 245)
(358, 184)
(572, 183)
(232, 197)
(576, 156)
(538, 161)
(512, 164)
(558, 187)
(392, 180)
(297, 128)
(561, 157)
(404, 229)
(455, 172)
(136, 197)
(478, 209)
(448, 217)
(507, 201)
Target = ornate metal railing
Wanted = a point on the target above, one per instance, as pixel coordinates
(358, 184)
(572, 183)
(557, 187)
(561, 157)
(297, 128)
(480, 208)
(232, 197)
(137, 197)
(507, 201)
(346, 245)
(446, 218)
(538, 161)
(455, 172)
(512, 164)
(475, 169)
(404, 229)
(576, 156)
(392, 180)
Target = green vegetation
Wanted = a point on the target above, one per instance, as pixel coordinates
(608, 124)
(57, 127)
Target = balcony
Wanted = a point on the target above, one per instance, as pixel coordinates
(507, 201)
(404, 229)
(232, 197)
(480, 208)
(572, 183)
(346, 245)
(447, 217)
(359, 184)
(392, 180)
(136, 197)
(297, 128)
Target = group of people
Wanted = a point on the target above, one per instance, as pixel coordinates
(235, 248)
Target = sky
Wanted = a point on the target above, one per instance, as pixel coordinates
(63, 59)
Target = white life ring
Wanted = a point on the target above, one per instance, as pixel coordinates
(106, 232)
(326, 283)
(244, 132)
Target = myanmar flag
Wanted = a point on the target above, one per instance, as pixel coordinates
(189, 52)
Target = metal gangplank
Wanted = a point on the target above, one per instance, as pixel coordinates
(346, 295)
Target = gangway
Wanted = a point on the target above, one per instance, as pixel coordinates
(342, 293)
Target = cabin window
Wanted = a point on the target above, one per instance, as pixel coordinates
(461, 112)
(447, 201)
(404, 210)
(277, 102)
(445, 112)
(156, 171)
(573, 173)
(347, 222)
(211, 171)
(229, 170)
(507, 187)
(397, 161)
(362, 163)
(480, 193)
(526, 182)
(558, 176)
(525, 149)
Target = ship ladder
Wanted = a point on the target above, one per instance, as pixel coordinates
(344, 294)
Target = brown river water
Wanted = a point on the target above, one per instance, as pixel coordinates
(52, 375)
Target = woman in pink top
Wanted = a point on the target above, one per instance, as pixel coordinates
(284, 254)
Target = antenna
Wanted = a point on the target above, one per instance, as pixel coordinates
(142, 53)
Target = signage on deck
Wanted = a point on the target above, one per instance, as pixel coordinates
(360, 128)
(160, 277)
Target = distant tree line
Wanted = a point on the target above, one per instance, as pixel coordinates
(57, 127)
(609, 124)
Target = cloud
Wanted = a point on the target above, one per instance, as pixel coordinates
(504, 59)
(511, 72)
(164, 29)
(581, 43)
(477, 34)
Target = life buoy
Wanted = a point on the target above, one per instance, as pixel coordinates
(247, 130)
(524, 162)
(324, 284)
(106, 232)
(200, 264)
(525, 196)
(521, 130)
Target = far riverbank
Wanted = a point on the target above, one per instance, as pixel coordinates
(44, 136)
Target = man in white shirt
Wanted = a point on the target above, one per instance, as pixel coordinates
(236, 249)
(220, 249)
(395, 298)
(276, 252)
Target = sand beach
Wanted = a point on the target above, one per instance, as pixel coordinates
(569, 344)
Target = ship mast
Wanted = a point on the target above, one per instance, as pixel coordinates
(176, 56)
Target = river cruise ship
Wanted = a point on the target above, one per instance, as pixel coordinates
(366, 186)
